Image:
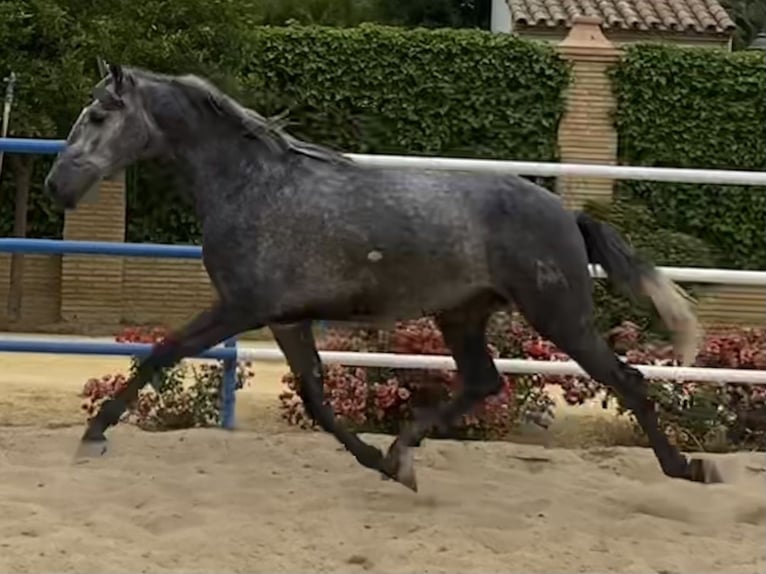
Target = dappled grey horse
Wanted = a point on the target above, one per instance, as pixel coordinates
(293, 233)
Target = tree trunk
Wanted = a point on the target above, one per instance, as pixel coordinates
(22, 171)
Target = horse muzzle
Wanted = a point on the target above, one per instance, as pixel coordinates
(69, 180)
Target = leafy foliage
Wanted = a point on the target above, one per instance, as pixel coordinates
(750, 17)
(696, 415)
(339, 13)
(696, 108)
(41, 43)
(381, 399)
(177, 404)
(436, 13)
(374, 89)
(344, 13)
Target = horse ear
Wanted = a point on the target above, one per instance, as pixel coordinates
(115, 70)
(102, 67)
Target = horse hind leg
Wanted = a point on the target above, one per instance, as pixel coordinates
(464, 334)
(564, 316)
(297, 343)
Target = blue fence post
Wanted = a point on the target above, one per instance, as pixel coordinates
(229, 387)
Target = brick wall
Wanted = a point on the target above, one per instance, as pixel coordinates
(41, 289)
(98, 290)
(733, 305)
(91, 286)
(164, 291)
(586, 133)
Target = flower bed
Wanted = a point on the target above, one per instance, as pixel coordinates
(189, 396)
(696, 415)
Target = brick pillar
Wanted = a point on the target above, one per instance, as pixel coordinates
(91, 286)
(586, 132)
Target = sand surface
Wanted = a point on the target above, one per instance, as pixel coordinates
(266, 498)
(212, 501)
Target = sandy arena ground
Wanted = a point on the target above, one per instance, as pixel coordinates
(266, 498)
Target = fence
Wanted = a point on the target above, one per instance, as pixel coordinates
(231, 352)
(52, 247)
(541, 169)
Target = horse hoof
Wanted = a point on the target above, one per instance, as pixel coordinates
(705, 471)
(92, 444)
(89, 449)
(400, 466)
(93, 434)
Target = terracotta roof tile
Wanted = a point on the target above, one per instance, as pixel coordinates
(656, 15)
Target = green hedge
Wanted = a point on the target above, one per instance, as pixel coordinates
(697, 108)
(375, 89)
(44, 221)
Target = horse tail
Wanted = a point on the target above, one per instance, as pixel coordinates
(622, 265)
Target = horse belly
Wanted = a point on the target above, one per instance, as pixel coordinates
(424, 287)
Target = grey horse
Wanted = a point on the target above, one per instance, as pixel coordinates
(294, 232)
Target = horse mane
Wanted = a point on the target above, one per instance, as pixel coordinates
(268, 130)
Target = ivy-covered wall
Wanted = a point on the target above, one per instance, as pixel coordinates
(375, 89)
(681, 107)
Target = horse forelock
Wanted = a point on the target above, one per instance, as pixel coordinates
(254, 125)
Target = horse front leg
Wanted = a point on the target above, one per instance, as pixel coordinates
(206, 330)
(297, 343)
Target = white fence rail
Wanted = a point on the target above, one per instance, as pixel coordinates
(554, 169)
(547, 169)
(518, 366)
(704, 275)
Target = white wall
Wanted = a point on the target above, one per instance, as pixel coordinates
(500, 18)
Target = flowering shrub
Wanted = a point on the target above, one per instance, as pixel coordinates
(707, 416)
(381, 399)
(695, 415)
(177, 405)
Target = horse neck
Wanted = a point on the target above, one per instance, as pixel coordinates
(218, 168)
(215, 161)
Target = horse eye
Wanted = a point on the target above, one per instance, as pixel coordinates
(96, 117)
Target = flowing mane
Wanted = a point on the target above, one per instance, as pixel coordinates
(269, 130)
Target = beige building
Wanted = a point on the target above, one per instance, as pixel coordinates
(690, 22)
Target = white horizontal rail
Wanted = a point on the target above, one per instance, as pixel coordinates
(554, 169)
(550, 169)
(704, 275)
(518, 366)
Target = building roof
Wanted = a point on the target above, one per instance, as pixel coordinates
(701, 16)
